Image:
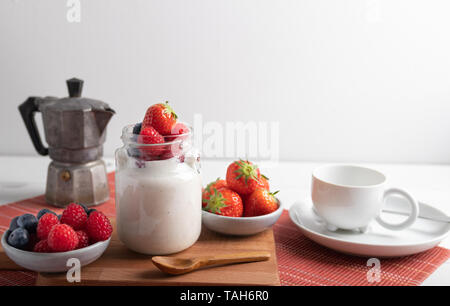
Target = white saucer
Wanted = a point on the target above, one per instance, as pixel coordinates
(377, 241)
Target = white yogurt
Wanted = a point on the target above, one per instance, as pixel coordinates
(158, 207)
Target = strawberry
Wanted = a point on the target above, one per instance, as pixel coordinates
(150, 136)
(217, 184)
(260, 202)
(161, 117)
(243, 177)
(264, 182)
(225, 202)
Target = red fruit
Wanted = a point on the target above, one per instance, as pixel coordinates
(46, 222)
(175, 148)
(98, 227)
(150, 136)
(160, 116)
(83, 239)
(243, 177)
(75, 216)
(179, 128)
(264, 182)
(62, 238)
(260, 202)
(225, 202)
(42, 247)
(217, 184)
(170, 152)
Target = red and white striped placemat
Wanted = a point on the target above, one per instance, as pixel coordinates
(301, 262)
(304, 262)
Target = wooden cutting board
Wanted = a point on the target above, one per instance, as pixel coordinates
(120, 266)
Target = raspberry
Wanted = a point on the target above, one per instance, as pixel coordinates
(98, 227)
(75, 216)
(42, 247)
(62, 238)
(46, 222)
(83, 239)
(86, 209)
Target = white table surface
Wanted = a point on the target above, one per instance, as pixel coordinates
(24, 177)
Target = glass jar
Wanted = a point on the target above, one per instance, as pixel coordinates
(158, 193)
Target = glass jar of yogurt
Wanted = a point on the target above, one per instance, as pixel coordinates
(158, 194)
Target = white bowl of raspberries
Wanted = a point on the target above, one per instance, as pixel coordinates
(242, 204)
(46, 242)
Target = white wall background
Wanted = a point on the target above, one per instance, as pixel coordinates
(349, 80)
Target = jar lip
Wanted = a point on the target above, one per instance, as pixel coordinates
(128, 137)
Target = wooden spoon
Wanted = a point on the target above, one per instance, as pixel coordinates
(174, 265)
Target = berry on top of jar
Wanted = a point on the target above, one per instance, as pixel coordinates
(159, 126)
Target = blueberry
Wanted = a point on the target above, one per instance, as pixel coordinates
(6, 234)
(137, 128)
(28, 222)
(19, 238)
(13, 225)
(91, 211)
(134, 152)
(43, 212)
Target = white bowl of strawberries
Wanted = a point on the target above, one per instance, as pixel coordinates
(242, 204)
(46, 242)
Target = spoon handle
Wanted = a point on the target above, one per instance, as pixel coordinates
(225, 259)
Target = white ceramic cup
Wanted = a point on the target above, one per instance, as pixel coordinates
(350, 197)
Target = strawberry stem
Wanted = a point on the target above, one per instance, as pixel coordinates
(215, 203)
(246, 170)
(169, 110)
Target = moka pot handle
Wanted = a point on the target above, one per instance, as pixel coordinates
(27, 110)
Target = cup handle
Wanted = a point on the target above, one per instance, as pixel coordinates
(414, 210)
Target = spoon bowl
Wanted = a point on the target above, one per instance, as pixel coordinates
(173, 265)
(176, 266)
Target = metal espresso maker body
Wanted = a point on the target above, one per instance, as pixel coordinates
(75, 130)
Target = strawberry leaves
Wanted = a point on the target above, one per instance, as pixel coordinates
(215, 202)
(168, 110)
(246, 170)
